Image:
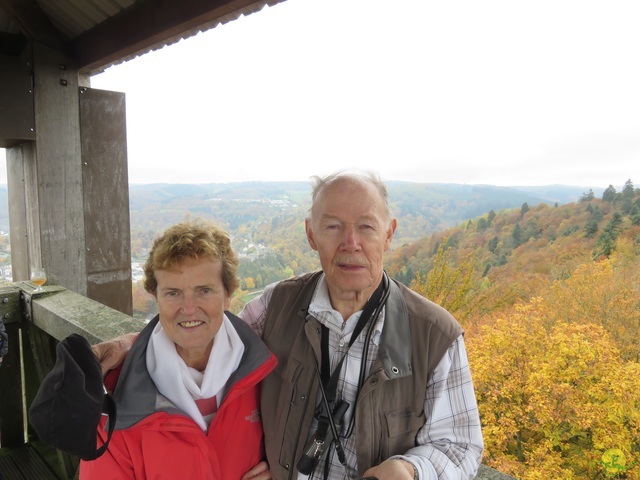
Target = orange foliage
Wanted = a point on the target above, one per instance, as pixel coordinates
(558, 378)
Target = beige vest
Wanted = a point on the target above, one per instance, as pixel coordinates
(390, 405)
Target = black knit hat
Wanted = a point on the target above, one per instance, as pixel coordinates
(71, 400)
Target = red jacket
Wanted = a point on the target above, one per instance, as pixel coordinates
(154, 440)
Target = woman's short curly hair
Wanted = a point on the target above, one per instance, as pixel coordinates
(192, 240)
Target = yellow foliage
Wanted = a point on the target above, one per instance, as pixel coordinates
(454, 284)
(553, 398)
(605, 293)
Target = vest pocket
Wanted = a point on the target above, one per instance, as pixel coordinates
(402, 427)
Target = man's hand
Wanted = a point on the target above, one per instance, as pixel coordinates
(259, 472)
(394, 469)
(112, 353)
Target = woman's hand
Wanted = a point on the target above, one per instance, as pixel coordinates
(111, 353)
(259, 472)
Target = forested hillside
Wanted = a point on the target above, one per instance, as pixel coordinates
(523, 250)
(550, 300)
(266, 219)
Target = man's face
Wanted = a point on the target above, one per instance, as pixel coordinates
(191, 303)
(350, 232)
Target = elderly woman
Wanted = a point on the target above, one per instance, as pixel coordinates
(187, 395)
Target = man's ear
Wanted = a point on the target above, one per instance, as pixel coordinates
(390, 231)
(309, 230)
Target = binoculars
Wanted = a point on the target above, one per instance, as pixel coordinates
(321, 443)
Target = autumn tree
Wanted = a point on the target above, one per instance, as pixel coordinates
(448, 283)
(553, 398)
(454, 284)
(602, 293)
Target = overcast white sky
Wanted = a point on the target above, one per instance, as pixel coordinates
(464, 91)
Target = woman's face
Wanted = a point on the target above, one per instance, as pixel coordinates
(191, 303)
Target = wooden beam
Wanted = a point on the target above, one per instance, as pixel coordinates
(17, 121)
(34, 23)
(61, 312)
(150, 24)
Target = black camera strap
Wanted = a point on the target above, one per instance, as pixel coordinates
(330, 380)
(331, 411)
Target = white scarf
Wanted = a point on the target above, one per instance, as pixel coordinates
(184, 385)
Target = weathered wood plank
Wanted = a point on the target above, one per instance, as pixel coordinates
(106, 198)
(487, 473)
(56, 191)
(61, 312)
(25, 464)
(10, 304)
(17, 157)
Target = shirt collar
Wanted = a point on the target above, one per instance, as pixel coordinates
(321, 309)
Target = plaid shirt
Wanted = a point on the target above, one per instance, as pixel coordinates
(448, 446)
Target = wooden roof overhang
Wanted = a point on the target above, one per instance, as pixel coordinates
(97, 34)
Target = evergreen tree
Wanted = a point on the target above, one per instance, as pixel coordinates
(493, 244)
(587, 196)
(628, 191)
(605, 246)
(517, 235)
(482, 224)
(597, 213)
(607, 241)
(610, 194)
(614, 225)
(591, 228)
(486, 269)
(491, 216)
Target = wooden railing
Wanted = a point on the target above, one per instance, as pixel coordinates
(35, 322)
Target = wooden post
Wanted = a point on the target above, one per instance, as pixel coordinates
(68, 190)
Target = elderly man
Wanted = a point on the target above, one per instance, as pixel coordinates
(372, 379)
(402, 374)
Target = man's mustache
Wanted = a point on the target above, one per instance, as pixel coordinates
(357, 261)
